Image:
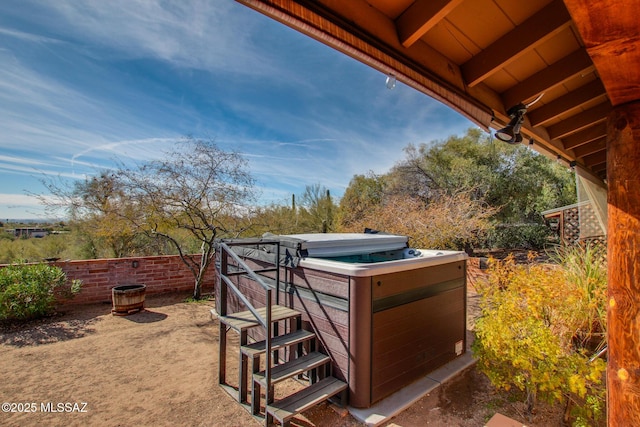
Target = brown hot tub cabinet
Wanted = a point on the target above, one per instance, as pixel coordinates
(385, 314)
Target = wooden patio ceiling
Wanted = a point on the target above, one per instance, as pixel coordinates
(482, 57)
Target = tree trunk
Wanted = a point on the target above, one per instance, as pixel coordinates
(197, 289)
(531, 401)
(207, 255)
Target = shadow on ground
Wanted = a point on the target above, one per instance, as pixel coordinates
(77, 321)
(146, 316)
(45, 331)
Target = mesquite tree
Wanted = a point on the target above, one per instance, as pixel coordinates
(195, 194)
(98, 208)
(197, 188)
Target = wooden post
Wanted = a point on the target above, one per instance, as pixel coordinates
(623, 174)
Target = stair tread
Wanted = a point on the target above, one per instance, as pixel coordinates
(293, 367)
(245, 319)
(287, 408)
(278, 342)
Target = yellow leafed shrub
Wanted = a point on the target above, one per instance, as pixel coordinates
(539, 327)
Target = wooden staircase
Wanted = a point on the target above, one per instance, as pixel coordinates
(304, 361)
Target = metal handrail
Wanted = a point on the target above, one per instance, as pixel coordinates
(245, 301)
(245, 267)
(226, 250)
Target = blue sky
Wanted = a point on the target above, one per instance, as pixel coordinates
(83, 83)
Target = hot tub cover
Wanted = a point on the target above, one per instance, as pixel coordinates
(319, 245)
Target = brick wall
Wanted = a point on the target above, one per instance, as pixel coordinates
(160, 274)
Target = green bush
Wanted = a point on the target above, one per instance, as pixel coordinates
(541, 326)
(29, 291)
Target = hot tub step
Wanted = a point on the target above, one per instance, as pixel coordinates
(287, 408)
(244, 320)
(292, 368)
(277, 343)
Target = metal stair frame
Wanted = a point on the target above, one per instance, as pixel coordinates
(253, 352)
(316, 366)
(265, 322)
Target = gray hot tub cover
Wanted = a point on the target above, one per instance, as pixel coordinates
(298, 246)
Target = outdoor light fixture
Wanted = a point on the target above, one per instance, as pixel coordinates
(511, 133)
(391, 81)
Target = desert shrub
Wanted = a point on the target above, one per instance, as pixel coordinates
(541, 325)
(528, 236)
(585, 267)
(451, 222)
(28, 291)
(19, 250)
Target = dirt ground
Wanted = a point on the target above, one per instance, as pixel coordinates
(159, 367)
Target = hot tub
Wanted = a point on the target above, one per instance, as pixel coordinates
(386, 314)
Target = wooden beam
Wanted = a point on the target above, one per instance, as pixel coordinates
(420, 17)
(548, 22)
(567, 103)
(610, 32)
(595, 159)
(597, 114)
(555, 74)
(623, 259)
(584, 136)
(590, 148)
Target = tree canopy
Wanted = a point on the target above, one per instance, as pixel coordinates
(363, 194)
(466, 191)
(508, 186)
(198, 189)
(194, 195)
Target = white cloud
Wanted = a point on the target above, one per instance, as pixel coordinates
(22, 161)
(136, 149)
(19, 200)
(200, 34)
(20, 206)
(88, 82)
(27, 36)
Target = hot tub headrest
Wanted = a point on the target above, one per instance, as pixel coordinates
(411, 253)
